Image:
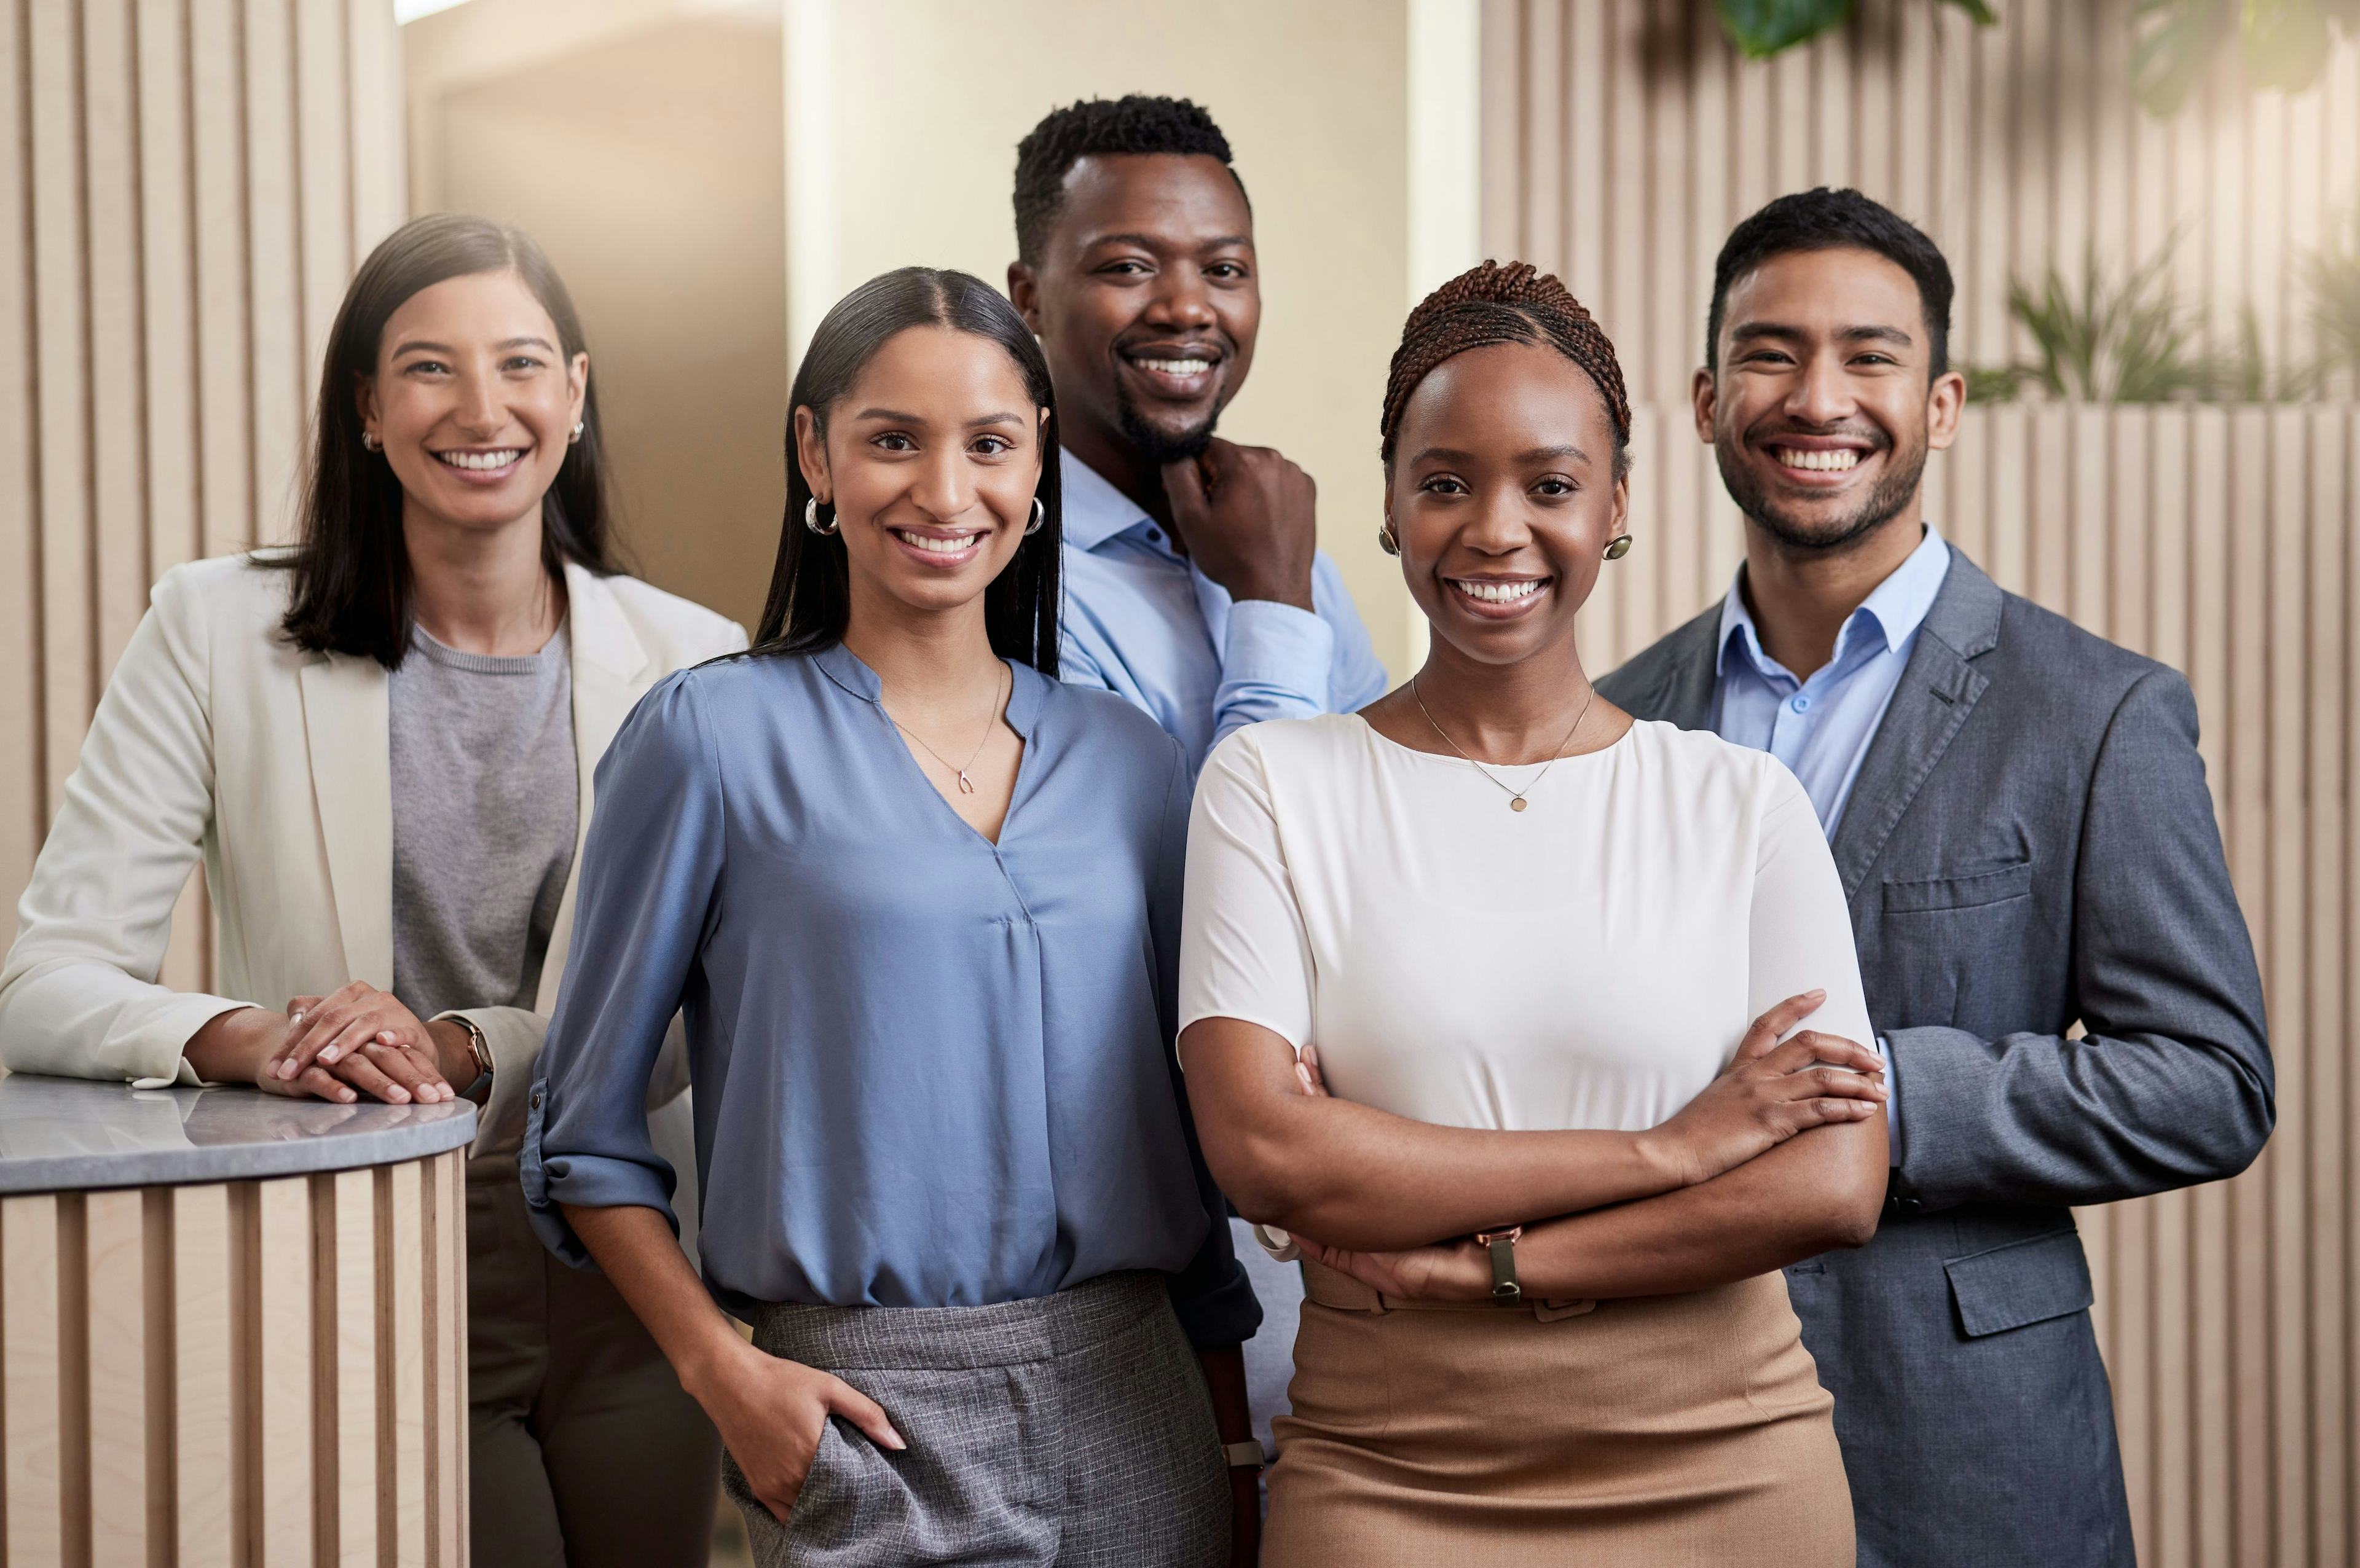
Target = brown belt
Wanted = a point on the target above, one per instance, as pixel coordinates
(1329, 1288)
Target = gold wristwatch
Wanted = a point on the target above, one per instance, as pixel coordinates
(482, 1050)
(1502, 1244)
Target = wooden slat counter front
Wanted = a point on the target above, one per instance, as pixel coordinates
(233, 1329)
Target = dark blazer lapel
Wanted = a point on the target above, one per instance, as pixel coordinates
(1938, 688)
(1683, 667)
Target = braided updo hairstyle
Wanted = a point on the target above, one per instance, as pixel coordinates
(1512, 304)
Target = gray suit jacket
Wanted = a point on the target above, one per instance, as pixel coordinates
(2030, 845)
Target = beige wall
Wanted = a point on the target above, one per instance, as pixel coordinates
(641, 145)
(1621, 141)
(903, 119)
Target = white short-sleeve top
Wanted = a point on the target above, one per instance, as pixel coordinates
(1591, 962)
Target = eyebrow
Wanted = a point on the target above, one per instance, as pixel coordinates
(1160, 243)
(420, 345)
(1531, 454)
(1746, 331)
(895, 416)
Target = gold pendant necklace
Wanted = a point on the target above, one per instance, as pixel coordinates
(967, 785)
(1517, 802)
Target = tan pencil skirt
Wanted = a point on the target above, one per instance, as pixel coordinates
(1666, 1431)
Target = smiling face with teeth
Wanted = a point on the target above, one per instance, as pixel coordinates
(1503, 499)
(473, 401)
(1819, 408)
(1146, 298)
(929, 462)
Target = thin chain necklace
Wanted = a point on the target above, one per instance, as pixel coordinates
(1515, 797)
(967, 785)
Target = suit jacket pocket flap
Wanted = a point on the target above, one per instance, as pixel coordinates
(2022, 1283)
(1962, 892)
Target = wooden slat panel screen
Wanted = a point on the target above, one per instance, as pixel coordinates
(184, 187)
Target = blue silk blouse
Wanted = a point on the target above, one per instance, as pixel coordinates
(929, 1071)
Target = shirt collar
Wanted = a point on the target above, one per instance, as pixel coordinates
(1895, 608)
(1095, 511)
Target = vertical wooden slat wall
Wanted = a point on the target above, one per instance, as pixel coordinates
(197, 1375)
(1623, 140)
(185, 185)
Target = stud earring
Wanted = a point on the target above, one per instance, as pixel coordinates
(1619, 547)
(811, 518)
(1385, 540)
(368, 440)
(1039, 516)
(577, 432)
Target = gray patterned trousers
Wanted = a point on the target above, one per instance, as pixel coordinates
(1073, 1430)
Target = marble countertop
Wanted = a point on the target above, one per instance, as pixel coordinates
(63, 1134)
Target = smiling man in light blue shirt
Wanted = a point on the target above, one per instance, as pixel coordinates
(1195, 586)
(1194, 583)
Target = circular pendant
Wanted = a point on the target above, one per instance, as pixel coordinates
(1516, 804)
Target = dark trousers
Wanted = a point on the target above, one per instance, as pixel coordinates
(584, 1451)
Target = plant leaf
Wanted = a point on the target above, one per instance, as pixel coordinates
(2175, 42)
(1760, 28)
(1984, 16)
(2286, 43)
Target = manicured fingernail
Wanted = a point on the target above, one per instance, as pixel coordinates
(295, 1019)
(893, 1440)
(1817, 992)
(345, 1096)
(328, 1055)
(398, 1094)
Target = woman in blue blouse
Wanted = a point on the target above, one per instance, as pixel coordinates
(918, 904)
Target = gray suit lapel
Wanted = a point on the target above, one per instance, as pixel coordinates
(1676, 677)
(1938, 688)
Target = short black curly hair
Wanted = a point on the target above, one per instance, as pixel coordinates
(1133, 124)
(1821, 219)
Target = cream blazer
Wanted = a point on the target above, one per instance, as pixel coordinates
(216, 737)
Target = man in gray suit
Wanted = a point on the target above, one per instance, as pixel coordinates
(2021, 821)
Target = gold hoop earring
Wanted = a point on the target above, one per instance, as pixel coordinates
(1385, 540)
(1619, 547)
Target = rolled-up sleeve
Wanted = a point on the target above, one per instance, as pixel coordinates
(650, 872)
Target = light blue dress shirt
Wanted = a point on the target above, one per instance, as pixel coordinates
(1142, 622)
(1820, 728)
(930, 1071)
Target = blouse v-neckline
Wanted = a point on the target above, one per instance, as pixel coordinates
(1027, 688)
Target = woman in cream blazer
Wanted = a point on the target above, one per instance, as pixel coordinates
(220, 734)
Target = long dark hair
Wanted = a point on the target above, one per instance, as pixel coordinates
(811, 587)
(351, 571)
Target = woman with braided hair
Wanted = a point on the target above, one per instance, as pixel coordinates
(1488, 993)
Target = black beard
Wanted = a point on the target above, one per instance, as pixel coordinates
(1884, 502)
(1160, 447)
